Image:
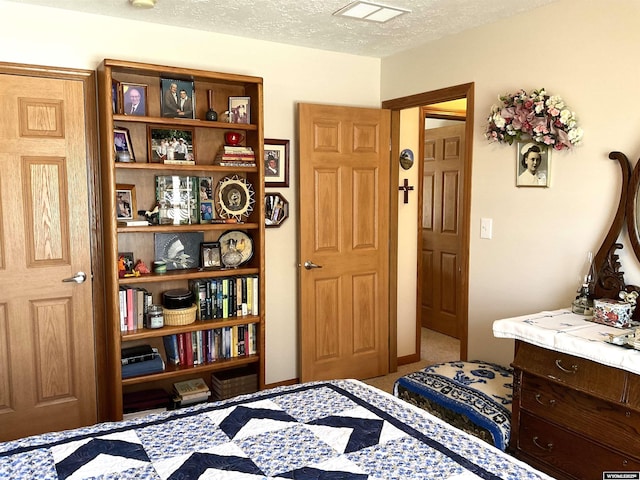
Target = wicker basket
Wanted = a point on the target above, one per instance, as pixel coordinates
(179, 316)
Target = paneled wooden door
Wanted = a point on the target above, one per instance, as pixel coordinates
(47, 351)
(442, 241)
(344, 241)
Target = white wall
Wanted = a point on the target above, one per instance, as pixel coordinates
(586, 52)
(44, 36)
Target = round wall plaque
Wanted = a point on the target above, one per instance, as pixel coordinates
(406, 158)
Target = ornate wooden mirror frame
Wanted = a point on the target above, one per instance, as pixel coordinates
(609, 280)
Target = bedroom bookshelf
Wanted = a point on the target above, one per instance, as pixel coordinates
(208, 138)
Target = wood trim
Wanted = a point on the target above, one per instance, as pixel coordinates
(394, 176)
(88, 79)
(455, 92)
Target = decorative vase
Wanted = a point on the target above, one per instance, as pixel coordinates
(212, 115)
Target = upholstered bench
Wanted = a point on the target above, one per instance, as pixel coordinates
(473, 396)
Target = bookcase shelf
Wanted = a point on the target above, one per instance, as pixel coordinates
(175, 372)
(208, 139)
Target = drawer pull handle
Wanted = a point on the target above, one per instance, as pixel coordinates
(550, 403)
(573, 369)
(546, 448)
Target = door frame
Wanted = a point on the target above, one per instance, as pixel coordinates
(455, 92)
(88, 79)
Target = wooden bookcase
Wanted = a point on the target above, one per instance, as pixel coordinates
(208, 137)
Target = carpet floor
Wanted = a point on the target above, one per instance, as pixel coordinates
(435, 348)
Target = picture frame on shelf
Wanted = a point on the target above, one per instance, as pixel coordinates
(210, 255)
(125, 201)
(276, 163)
(178, 250)
(171, 145)
(240, 109)
(126, 262)
(116, 101)
(276, 209)
(532, 164)
(178, 98)
(134, 99)
(122, 145)
(206, 211)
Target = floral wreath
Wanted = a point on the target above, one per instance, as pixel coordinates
(538, 117)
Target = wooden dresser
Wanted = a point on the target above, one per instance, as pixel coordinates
(573, 417)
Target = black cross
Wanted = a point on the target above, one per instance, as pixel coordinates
(405, 188)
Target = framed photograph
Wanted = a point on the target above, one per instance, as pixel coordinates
(210, 255)
(134, 97)
(240, 109)
(206, 211)
(125, 201)
(116, 101)
(532, 164)
(276, 163)
(171, 145)
(122, 145)
(177, 98)
(125, 262)
(276, 209)
(178, 250)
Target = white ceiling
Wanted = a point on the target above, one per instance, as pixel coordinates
(309, 23)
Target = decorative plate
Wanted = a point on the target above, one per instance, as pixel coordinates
(235, 198)
(236, 248)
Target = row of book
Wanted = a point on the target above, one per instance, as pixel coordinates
(226, 297)
(235, 156)
(206, 346)
(134, 302)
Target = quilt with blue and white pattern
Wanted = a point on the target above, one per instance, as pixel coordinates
(321, 430)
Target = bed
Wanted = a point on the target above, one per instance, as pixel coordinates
(339, 429)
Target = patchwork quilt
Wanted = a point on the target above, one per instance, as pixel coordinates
(321, 430)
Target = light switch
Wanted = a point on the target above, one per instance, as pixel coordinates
(486, 228)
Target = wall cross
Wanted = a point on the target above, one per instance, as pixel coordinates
(406, 188)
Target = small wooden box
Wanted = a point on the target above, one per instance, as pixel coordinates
(231, 383)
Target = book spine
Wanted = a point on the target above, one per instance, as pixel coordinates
(171, 349)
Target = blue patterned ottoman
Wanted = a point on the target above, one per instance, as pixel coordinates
(473, 396)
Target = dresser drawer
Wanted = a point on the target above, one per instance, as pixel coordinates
(571, 453)
(603, 421)
(634, 390)
(597, 379)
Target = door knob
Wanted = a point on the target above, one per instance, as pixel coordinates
(309, 265)
(79, 277)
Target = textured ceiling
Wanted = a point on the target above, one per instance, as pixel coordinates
(309, 23)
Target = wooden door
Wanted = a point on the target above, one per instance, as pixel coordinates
(47, 352)
(442, 242)
(344, 230)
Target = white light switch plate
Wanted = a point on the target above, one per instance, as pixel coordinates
(486, 228)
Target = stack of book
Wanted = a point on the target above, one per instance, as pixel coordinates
(190, 392)
(236, 156)
(140, 360)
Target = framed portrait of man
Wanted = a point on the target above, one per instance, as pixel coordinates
(177, 98)
(135, 99)
(532, 164)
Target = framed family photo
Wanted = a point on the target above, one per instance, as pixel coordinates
(125, 201)
(134, 96)
(177, 98)
(240, 109)
(122, 145)
(276, 163)
(171, 145)
(532, 164)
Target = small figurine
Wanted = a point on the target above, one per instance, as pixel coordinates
(153, 215)
(141, 268)
(122, 268)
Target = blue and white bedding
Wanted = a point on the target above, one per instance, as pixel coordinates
(322, 430)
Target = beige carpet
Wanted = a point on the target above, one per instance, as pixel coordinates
(435, 348)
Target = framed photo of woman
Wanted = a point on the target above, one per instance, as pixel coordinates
(532, 164)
